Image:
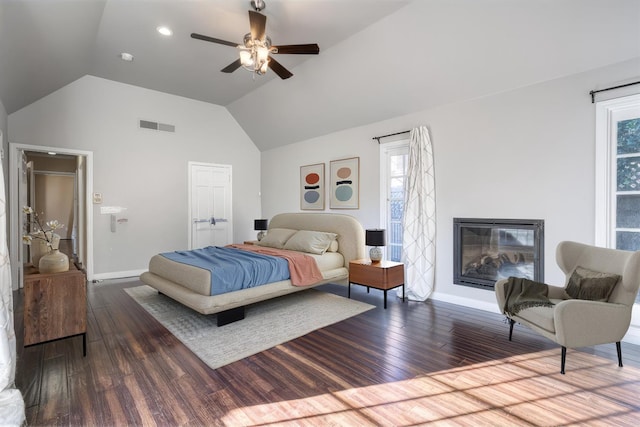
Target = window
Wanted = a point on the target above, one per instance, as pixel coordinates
(394, 159)
(627, 221)
(618, 173)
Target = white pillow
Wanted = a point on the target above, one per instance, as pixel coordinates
(276, 237)
(314, 242)
(333, 247)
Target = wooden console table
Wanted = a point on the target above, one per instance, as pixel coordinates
(55, 306)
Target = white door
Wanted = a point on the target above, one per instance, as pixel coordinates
(209, 205)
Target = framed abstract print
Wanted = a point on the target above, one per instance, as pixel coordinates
(345, 183)
(312, 187)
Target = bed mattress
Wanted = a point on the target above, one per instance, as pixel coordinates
(199, 280)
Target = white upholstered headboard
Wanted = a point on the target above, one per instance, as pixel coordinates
(349, 230)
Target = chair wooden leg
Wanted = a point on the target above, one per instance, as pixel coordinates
(619, 348)
(511, 323)
(563, 358)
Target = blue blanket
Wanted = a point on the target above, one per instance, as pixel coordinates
(233, 269)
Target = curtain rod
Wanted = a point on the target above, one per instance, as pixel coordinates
(593, 92)
(378, 138)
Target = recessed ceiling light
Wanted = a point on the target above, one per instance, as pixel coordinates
(165, 31)
(51, 153)
(126, 56)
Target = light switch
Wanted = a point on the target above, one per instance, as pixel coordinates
(97, 198)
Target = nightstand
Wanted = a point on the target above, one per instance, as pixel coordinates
(383, 275)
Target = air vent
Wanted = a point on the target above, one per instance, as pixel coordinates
(146, 124)
(166, 128)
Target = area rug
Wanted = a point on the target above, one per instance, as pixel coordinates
(266, 324)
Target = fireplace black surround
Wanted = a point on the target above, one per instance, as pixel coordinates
(486, 250)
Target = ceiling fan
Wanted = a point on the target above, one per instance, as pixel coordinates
(256, 48)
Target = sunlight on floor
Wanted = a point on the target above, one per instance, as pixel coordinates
(521, 390)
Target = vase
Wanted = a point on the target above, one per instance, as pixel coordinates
(39, 246)
(53, 262)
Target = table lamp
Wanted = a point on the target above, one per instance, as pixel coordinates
(262, 226)
(376, 239)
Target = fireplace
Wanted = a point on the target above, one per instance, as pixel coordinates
(486, 250)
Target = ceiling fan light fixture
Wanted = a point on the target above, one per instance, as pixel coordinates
(258, 5)
(256, 48)
(264, 67)
(262, 54)
(245, 59)
(254, 55)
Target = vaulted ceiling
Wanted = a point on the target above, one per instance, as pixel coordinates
(378, 58)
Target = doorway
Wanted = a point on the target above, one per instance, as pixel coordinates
(52, 194)
(32, 167)
(209, 205)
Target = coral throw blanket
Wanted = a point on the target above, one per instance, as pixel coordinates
(303, 269)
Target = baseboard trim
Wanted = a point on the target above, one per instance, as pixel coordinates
(632, 336)
(466, 302)
(117, 274)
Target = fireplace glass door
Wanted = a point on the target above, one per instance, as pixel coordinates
(487, 250)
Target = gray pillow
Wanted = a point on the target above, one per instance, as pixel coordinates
(591, 285)
(276, 237)
(313, 242)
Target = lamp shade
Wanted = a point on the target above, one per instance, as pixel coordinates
(260, 224)
(375, 238)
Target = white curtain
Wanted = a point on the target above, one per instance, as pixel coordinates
(11, 402)
(419, 220)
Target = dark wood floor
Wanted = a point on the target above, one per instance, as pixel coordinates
(414, 363)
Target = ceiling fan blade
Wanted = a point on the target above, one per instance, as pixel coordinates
(300, 49)
(212, 40)
(279, 69)
(232, 67)
(258, 24)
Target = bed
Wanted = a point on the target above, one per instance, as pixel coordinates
(190, 285)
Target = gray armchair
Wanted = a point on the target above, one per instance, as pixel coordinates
(575, 322)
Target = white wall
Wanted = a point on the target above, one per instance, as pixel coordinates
(526, 153)
(281, 177)
(142, 170)
(4, 144)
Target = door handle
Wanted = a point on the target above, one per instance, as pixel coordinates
(212, 220)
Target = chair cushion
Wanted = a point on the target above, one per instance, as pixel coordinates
(591, 285)
(539, 316)
(542, 317)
